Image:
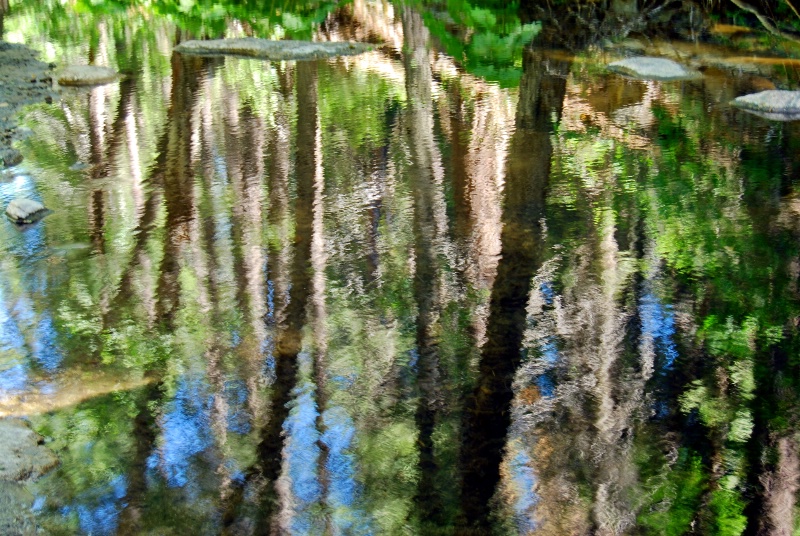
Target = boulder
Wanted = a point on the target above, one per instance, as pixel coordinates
(25, 210)
(272, 50)
(776, 104)
(647, 68)
(86, 75)
(23, 455)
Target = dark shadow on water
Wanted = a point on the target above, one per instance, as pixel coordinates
(144, 435)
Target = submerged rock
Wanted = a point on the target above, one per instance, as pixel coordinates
(22, 453)
(273, 50)
(10, 157)
(16, 515)
(23, 458)
(777, 104)
(649, 68)
(78, 166)
(25, 210)
(69, 389)
(86, 75)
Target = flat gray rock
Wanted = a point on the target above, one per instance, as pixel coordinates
(647, 68)
(86, 75)
(22, 454)
(777, 104)
(25, 210)
(272, 50)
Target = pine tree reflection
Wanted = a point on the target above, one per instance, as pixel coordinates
(176, 177)
(426, 280)
(487, 416)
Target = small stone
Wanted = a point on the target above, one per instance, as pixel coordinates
(775, 104)
(648, 68)
(86, 75)
(23, 210)
(3, 105)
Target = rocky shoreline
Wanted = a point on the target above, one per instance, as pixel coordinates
(24, 80)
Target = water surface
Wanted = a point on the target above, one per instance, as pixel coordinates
(450, 286)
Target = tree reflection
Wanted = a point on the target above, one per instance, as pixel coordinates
(488, 411)
(426, 280)
(311, 313)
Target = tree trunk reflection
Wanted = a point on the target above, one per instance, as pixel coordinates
(487, 415)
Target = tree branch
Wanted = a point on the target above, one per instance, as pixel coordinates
(765, 22)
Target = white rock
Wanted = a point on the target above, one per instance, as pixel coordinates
(273, 50)
(86, 75)
(649, 68)
(777, 104)
(24, 210)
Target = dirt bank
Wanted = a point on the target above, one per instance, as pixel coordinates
(24, 80)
